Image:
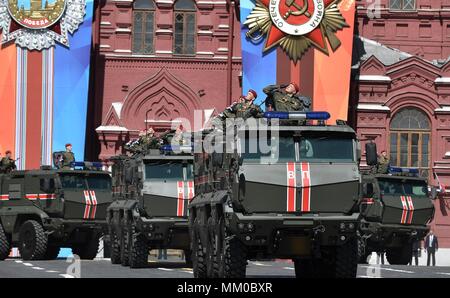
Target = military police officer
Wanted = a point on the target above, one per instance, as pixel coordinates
(68, 157)
(383, 163)
(7, 164)
(244, 108)
(285, 98)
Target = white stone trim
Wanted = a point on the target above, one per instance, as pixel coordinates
(162, 121)
(443, 109)
(223, 26)
(442, 80)
(110, 128)
(204, 53)
(372, 107)
(204, 32)
(125, 30)
(222, 49)
(164, 31)
(376, 78)
(163, 52)
(118, 108)
(105, 46)
(104, 23)
(122, 51)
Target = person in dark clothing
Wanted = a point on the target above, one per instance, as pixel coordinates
(416, 248)
(431, 246)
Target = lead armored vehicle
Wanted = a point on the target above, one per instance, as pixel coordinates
(151, 194)
(296, 200)
(46, 209)
(396, 209)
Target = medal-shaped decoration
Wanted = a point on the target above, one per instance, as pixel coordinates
(296, 25)
(38, 24)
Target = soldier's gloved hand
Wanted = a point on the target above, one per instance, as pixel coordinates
(253, 112)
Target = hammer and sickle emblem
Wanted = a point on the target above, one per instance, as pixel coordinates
(300, 9)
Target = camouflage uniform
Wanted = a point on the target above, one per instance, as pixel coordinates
(7, 165)
(383, 165)
(68, 158)
(143, 144)
(244, 110)
(280, 100)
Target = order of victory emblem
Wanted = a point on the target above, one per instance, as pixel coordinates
(296, 25)
(38, 24)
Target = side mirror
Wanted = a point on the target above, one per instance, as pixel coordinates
(240, 160)
(371, 154)
(358, 151)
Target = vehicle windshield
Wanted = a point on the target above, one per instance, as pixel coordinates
(100, 182)
(271, 150)
(168, 170)
(326, 149)
(73, 181)
(311, 149)
(403, 187)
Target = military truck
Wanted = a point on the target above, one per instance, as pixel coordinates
(45, 209)
(297, 200)
(151, 192)
(396, 208)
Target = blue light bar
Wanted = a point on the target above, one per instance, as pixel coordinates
(297, 115)
(403, 170)
(86, 164)
(170, 148)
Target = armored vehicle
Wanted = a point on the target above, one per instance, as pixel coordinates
(151, 192)
(46, 209)
(395, 209)
(297, 200)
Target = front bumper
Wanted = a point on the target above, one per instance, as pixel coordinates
(390, 235)
(69, 231)
(285, 236)
(165, 232)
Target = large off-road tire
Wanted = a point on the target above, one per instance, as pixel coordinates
(399, 255)
(5, 244)
(32, 241)
(231, 254)
(340, 261)
(52, 252)
(89, 249)
(363, 252)
(139, 250)
(198, 251)
(115, 247)
(125, 242)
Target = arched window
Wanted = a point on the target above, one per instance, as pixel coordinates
(184, 24)
(410, 139)
(143, 26)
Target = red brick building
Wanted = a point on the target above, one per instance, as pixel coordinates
(400, 94)
(158, 60)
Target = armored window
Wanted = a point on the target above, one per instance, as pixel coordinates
(410, 140)
(143, 26)
(184, 27)
(402, 4)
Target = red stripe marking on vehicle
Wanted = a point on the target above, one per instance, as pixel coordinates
(191, 190)
(180, 205)
(291, 187)
(4, 197)
(405, 210)
(94, 203)
(306, 187)
(87, 208)
(31, 197)
(368, 201)
(411, 208)
(47, 196)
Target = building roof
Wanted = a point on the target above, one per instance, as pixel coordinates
(364, 48)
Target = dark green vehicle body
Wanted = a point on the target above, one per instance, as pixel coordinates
(151, 195)
(69, 205)
(302, 206)
(393, 215)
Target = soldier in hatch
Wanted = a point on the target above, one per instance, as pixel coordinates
(244, 107)
(285, 98)
(383, 163)
(68, 157)
(7, 164)
(147, 140)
